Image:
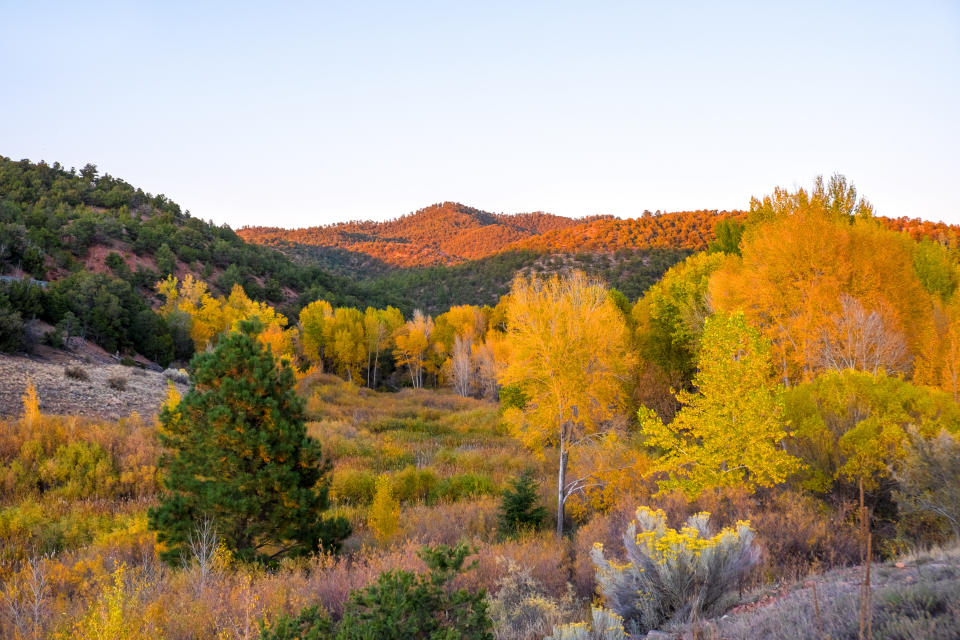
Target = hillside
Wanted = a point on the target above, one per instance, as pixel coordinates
(441, 234)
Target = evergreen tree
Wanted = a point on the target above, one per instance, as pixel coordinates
(519, 506)
(237, 452)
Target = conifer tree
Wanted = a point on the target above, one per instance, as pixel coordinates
(520, 507)
(237, 453)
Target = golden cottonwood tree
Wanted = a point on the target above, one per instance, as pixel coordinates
(819, 282)
(570, 357)
(313, 321)
(379, 326)
(412, 342)
(730, 432)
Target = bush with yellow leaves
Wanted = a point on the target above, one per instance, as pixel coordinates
(674, 575)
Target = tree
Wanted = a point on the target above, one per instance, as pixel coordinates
(403, 606)
(412, 346)
(166, 260)
(378, 326)
(520, 507)
(570, 359)
(313, 320)
(237, 454)
(731, 431)
(852, 425)
(804, 255)
(384, 511)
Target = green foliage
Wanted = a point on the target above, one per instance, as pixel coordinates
(674, 575)
(853, 424)
(936, 268)
(402, 605)
(238, 454)
(310, 624)
(736, 396)
(727, 234)
(520, 508)
(670, 316)
(465, 485)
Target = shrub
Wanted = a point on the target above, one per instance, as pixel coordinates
(606, 625)
(77, 373)
(519, 506)
(674, 576)
(310, 624)
(177, 375)
(929, 479)
(117, 383)
(384, 512)
(413, 485)
(522, 611)
(404, 605)
(353, 486)
(466, 485)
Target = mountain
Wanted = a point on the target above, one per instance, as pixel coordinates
(442, 234)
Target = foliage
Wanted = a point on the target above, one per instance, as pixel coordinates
(850, 425)
(522, 610)
(674, 575)
(605, 625)
(520, 508)
(570, 357)
(803, 255)
(404, 605)
(384, 512)
(736, 395)
(928, 478)
(310, 624)
(238, 454)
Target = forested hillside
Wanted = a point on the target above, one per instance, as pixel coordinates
(103, 245)
(441, 234)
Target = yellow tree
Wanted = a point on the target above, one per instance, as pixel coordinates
(313, 320)
(821, 283)
(570, 360)
(346, 341)
(379, 326)
(412, 345)
(730, 432)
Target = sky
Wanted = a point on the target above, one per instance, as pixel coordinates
(300, 114)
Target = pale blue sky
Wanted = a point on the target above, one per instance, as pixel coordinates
(297, 114)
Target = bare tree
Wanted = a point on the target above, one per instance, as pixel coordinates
(25, 600)
(461, 370)
(202, 543)
(861, 339)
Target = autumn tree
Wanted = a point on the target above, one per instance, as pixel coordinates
(570, 357)
(379, 326)
(238, 454)
(852, 425)
(313, 321)
(802, 257)
(730, 432)
(412, 342)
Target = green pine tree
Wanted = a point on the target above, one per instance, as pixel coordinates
(403, 605)
(237, 453)
(520, 507)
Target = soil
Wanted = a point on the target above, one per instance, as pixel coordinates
(61, 394)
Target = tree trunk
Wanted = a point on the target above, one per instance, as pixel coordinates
(561, 489)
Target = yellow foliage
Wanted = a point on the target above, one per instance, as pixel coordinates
(31, 405)
(384, 516)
